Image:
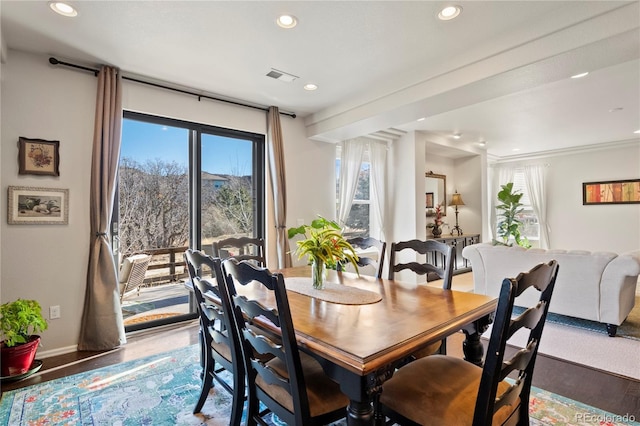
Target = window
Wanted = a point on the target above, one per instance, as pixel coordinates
(358, 223)
(182, 184)
(530, 226)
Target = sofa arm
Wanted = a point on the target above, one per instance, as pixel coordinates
(618, 287)
(472, 254)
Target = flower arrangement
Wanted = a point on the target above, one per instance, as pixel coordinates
(324, 244)
(437, 222)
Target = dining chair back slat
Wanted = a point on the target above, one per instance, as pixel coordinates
(365, 243)
(241, 248)
(432, 250)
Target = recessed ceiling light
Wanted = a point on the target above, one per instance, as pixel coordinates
(63, 9)
(449, 13)
(286, 21)
(457, 135)
(515, 149)
(422, 118)
(637, 131)
(310, 86)
(583, 74)
(616, 109)
(482, 143)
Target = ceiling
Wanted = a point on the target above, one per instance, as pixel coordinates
(498, 73)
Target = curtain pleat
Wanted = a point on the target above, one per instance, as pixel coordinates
(350, 163)
(275, 148)
(102, 325)
(378, 159)
(534, 178)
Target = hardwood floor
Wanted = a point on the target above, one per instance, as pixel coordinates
(616, 394)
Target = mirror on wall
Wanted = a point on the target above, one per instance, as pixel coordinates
(435, 193)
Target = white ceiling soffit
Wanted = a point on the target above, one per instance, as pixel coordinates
(597, 43)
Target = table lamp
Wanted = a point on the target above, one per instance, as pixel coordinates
(456, 200)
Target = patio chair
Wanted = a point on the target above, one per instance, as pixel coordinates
(132, 272)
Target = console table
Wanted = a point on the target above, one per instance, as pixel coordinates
(458, 242)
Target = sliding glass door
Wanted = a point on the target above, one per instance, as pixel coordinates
(180, 185)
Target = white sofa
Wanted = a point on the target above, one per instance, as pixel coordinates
(596, 286)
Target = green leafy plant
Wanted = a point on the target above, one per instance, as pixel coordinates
(324, 242)
(19, 320)
(510, 208)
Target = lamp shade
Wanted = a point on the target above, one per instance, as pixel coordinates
(456, 200)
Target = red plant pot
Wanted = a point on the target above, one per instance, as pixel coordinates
(18, 359)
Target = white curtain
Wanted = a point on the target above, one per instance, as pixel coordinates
(350, 163)
(535, 179)
(378, 159)
(500, 176)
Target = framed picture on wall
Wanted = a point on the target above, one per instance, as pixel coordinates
(611, 192)
(38, 157)
(37, 206)
(429, 200)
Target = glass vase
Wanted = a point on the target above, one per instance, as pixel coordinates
(318, 273)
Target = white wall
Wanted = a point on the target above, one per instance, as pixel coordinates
(614, 227)
(49, 262)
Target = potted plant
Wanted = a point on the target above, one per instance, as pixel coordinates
(19, 320)
(509, 225)
(435, 226)
(324, 245)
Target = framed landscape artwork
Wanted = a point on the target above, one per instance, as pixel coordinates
(611, 192)
(38, 157)
(37, 206)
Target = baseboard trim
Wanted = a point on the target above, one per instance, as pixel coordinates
(57, 351)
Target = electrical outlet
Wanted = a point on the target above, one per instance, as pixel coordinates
(54, 312)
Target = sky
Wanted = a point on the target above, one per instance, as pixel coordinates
(143, 141)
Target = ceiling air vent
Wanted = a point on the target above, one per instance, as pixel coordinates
(281, 75)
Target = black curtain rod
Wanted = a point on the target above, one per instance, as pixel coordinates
(54, 61)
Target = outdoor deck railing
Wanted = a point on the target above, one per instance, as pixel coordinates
(169, 262)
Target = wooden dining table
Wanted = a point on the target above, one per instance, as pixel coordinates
(360, 345)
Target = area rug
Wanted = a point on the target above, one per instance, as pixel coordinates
(587, 343)
(629, 329)
(162, 390)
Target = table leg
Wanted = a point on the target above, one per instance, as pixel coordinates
(362, 391)
(360, 413)
(472, 346)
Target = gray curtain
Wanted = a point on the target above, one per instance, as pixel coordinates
(102, 325)
(276, 170)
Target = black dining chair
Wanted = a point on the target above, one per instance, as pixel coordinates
(445, 390)
(219, 338)
(367, 243)
(241, 248)
(432, 250)
(292, 385)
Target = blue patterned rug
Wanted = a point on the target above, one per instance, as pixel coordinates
(162, 390)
